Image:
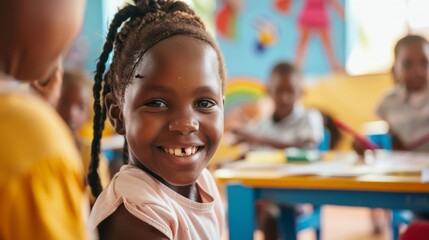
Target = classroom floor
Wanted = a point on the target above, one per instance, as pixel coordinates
(343, 223)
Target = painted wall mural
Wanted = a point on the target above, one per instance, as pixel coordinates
(255, 34)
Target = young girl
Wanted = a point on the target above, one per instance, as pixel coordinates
(164, 93)
(73, 107)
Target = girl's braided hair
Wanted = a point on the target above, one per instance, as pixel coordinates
(142, 25)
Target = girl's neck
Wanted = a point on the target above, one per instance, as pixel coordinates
(188, 191)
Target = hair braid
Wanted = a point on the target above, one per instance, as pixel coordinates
(125, 153)
(106, 89)
(149, 5)
(99, 111)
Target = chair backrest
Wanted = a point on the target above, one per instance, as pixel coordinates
(378, 133)
(383, 140)
(325, 144)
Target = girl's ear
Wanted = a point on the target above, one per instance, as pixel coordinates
(115, 114)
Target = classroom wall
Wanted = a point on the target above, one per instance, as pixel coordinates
(93, 32)
(86, 48)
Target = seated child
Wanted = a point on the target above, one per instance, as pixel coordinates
(291, 125)
(164, 92)
(73, 107)
(74, 102)
(405, 108)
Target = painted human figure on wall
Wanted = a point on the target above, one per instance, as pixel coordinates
(313, 19)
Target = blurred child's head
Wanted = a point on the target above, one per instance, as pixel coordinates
(164, 89)
(35, 33)
(284, 87)
(410, 68)
(74, 102)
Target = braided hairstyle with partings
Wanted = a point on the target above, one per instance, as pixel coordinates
(135, 29)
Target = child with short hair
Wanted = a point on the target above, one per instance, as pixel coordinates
(73, 107)
(291, 125)
(164, 93)
(75, 99)
(405, 108)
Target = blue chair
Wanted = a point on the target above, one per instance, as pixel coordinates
(290, 225)
(399, 217)
(383, 140)
(325, 144)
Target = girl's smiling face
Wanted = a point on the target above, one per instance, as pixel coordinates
(172, 111)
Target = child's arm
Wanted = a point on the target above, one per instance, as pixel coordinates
(397, 144)
(255, 139)
(123, 225)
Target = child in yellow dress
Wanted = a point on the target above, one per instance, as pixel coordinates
(41, 175)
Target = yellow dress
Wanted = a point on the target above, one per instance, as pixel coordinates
(41, 175)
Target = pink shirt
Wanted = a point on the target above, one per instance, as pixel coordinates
(149, 200)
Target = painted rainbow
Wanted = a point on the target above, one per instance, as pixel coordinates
(241, 90)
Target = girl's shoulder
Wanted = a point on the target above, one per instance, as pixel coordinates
(137, 186)
(151, 201)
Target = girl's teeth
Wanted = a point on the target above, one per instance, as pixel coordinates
(188, 151)
(178, 152)
(181, 151)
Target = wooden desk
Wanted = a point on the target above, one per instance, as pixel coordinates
(244, 188)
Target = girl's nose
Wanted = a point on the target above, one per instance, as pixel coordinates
(184, 125)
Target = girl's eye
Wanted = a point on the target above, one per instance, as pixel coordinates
(156, 104)
(205, 104)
